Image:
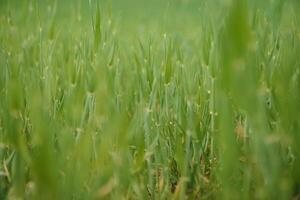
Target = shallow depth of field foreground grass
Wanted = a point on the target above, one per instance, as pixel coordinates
(157, 99)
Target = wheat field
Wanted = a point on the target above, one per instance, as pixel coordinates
(157, 99)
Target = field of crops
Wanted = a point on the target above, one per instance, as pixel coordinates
(149, 99)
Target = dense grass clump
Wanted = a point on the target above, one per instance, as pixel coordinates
(136, 99)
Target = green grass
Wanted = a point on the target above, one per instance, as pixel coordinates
(136, 99)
